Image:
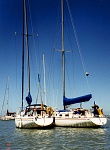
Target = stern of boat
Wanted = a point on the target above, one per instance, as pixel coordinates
(101, 121)
(44, 122)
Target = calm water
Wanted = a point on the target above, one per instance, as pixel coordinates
(58, 138)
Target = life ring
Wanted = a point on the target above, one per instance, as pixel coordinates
(49, 110)
(100, 111)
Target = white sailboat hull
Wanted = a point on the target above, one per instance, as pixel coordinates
(80, 122)
(33, 122)
(76, 117)
(7, 118)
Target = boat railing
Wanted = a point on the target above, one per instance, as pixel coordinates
(20, 111)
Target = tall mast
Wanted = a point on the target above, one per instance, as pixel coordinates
(44, 79)
(23, 57)
(63, 51)
(25, 33)
(7, 94)
(27, 45)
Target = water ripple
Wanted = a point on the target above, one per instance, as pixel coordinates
(54, 139)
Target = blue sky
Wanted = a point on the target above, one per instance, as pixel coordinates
(92, 22)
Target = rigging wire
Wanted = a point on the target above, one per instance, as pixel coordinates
(16, 59)
(78, 45)
(4, 99)
(39, 89)
(52, 60)
(34, 47)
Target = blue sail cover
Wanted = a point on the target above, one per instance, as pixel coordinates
(68, 101)
(29, 99)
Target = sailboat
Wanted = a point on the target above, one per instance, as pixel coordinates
(78, 117)
(34, 115)
(8, 115)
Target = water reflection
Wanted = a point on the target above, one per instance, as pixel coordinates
(65, 138)
(54, 139)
